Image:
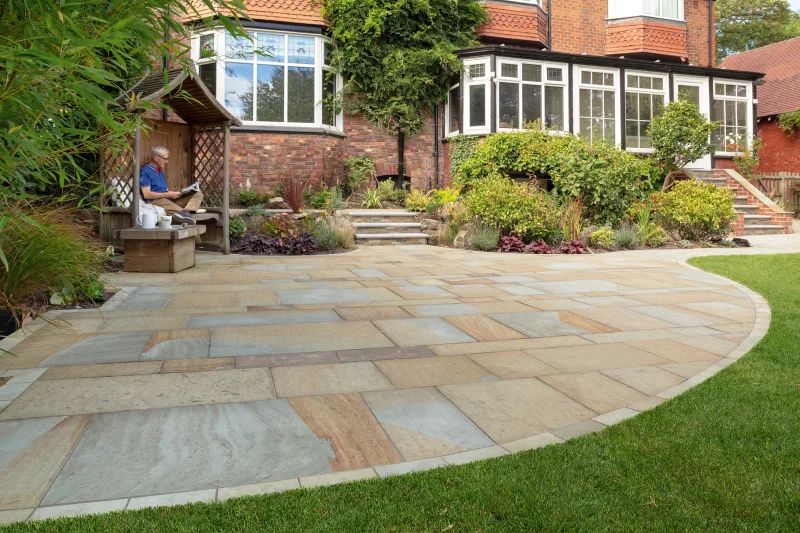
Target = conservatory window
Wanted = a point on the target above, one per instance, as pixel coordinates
(597, 104)
(644, 99)
(452, 119)
(275, 78)
(529, 92)
(476, 95)
(732, 110)
(668, 9)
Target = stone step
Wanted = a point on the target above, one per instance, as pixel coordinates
(762, 229)
(745, 208)
(377, 216)
(740, 200)
(388, 227)
(719, 182)
(391, 238)
(756, 220)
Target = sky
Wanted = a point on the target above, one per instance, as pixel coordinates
(795, 4)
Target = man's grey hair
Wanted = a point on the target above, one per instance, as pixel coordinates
(161, 151)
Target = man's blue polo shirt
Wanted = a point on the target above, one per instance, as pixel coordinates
(154, 178)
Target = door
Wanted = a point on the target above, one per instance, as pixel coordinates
(696, 91)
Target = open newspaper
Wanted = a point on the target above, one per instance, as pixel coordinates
(191, 189)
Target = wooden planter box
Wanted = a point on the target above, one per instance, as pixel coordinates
(159, 250)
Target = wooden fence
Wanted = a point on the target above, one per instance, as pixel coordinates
(783, 190)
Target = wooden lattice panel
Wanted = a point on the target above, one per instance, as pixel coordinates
(117, 176)
(208, 166)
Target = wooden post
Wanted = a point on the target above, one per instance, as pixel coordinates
(137, 167)
(226, 167)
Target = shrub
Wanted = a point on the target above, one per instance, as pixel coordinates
(256, 211)
(302, 244)
(282, 226)
(539, 248)
(372, 199)
(335, 201)
(697, 211)
(416, 200)
(324, 234)
(445, 196)
(658, 238)
(357, 171)
(602, 238)
(292, 190)
(649, 233)
(514, 208)
(456, 214)
(388, 193)
(572, 247)
(747, 161)
(485, 238)
(511, 245)
(627, 236)
(316, 200)
(680, 134)
(249, 198)
(571, 219)
(345, 234)
(444, 234)
(237, 227)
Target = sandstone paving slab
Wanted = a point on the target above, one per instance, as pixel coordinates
(254, 489)
(647, 379)
(152, 391)
(739, 327)
(34, 349)
(175, 498)
(531, 443)
(537, 324)
(14, 515)
(199, 365)
(558, 304)
(114, 324)
(262, 319)
(330, 274)
(726, 310)
(627, 336)
(103, 370)
(296, 338)
(711, 344)
(494, 306)
(110, 348)
(78, 509)
(513, 365)
(607, 301)
(504, 346)
(336, 296)
(649, 403)
(475, 291)
(598, 392)
(687, 370)
(623, 318)
(31, 455)
(255, 298)
(372, 313)
(676, 317)
(422, 423)
(483, 328)
(291, 381)
(575, 286)
(595, 357)
(376, 354)
(144, 452)
(515, 409)
(576, 430)
(442, 310)
(581, 322)
(335, 284)
(421, 331)
(136, 302)
(286, 359)
(516, 289)
(355, 436)
(431, 371)
(368, 273)
(701, 330)
(166, 344)
(677, 351)
(678, 297)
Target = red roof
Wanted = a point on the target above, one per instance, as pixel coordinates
(781, 64)
(292, 11)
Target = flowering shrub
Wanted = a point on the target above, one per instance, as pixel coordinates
(511, 245)
(282, 226)
(521, 210)
(538, 248)
(416, 200)
(697, 211)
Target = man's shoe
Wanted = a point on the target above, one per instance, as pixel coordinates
(199, 211)
(184, 218)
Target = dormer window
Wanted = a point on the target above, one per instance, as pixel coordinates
(667, 9)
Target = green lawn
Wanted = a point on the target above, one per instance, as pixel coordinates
(723, 456)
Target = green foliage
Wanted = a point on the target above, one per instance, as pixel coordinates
(747, 161)
(789, 122)
(626, 236)
(282, 226)
(388, 193)
(461, 148)
(485, 238)
(607, 180)
(372, 199)
(345, 234)
(747, 24)
(650, 233)
(398, 57)
(445, 196)
(251, 198)
(335, 201)
(316, 199)
(324, 233)
(257, 210)
(571, 220)
(514, 208)
(680, 134)
(357, 171)
(602, 238)
(416, 200)
(697, 211)
(237, 228)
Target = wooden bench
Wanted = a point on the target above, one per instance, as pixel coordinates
(159, 250)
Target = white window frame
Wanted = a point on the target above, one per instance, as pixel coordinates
(485, 80)
(447, 116)
(220, 36)
(663, 92)
(702, 83)
(544, 83)
(635, 8)
(576, 91)
(748, 99)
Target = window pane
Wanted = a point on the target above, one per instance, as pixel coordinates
(645, 82)
(609, 131)
(476, 71)
(531, 73)
(690, 93)
(207, 46)
(208, 73)
(555, 74)
(585, 103)
(586, 127)
(658, 105)
(658, 84)
(631, 106)
(741, 113)
(610, 104)
(633, 81)
(554, 108)
(239, 90)
(477, 105)
(270, 93)
(597, 103)
(645, 137)
(272, 44)
(719, 111)
(238, 47)
(719, 89)
(301, 49)
(730, 90)
(508, 108)
(531, 103)
(730, 113)
(586, 77)
(454, 107)
(632, 134)
(650, 7)
(741, 90)
(597, 78)
(608, 79)
(300, 93)
(328, 91)
(508, 70)
(328, 50)
(645, 111)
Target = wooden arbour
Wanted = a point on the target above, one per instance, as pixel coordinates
(199, 144)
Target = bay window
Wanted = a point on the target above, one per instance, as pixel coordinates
(732, 109)
(452, 111)
(596, 105)
(476, 96)
(668, 9)
(529, 92)
(272, 78)
(645, 95)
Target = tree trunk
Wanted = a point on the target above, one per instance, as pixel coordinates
(401, 155)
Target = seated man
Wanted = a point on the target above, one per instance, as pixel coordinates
(154, 189)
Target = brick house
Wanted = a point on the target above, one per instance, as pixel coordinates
(594, 67)
(780, 152)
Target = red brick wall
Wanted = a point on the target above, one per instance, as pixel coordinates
(696, 14)
(779, 152)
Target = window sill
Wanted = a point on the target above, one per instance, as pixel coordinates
(645, 18)
(727, 155)
(304, 130)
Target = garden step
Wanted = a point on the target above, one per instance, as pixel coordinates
(754, 220)
(762, 229)
(388, 227)
(391, 238)
(381, 216)
(745, 208)
(715, 181)
(740, 200)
